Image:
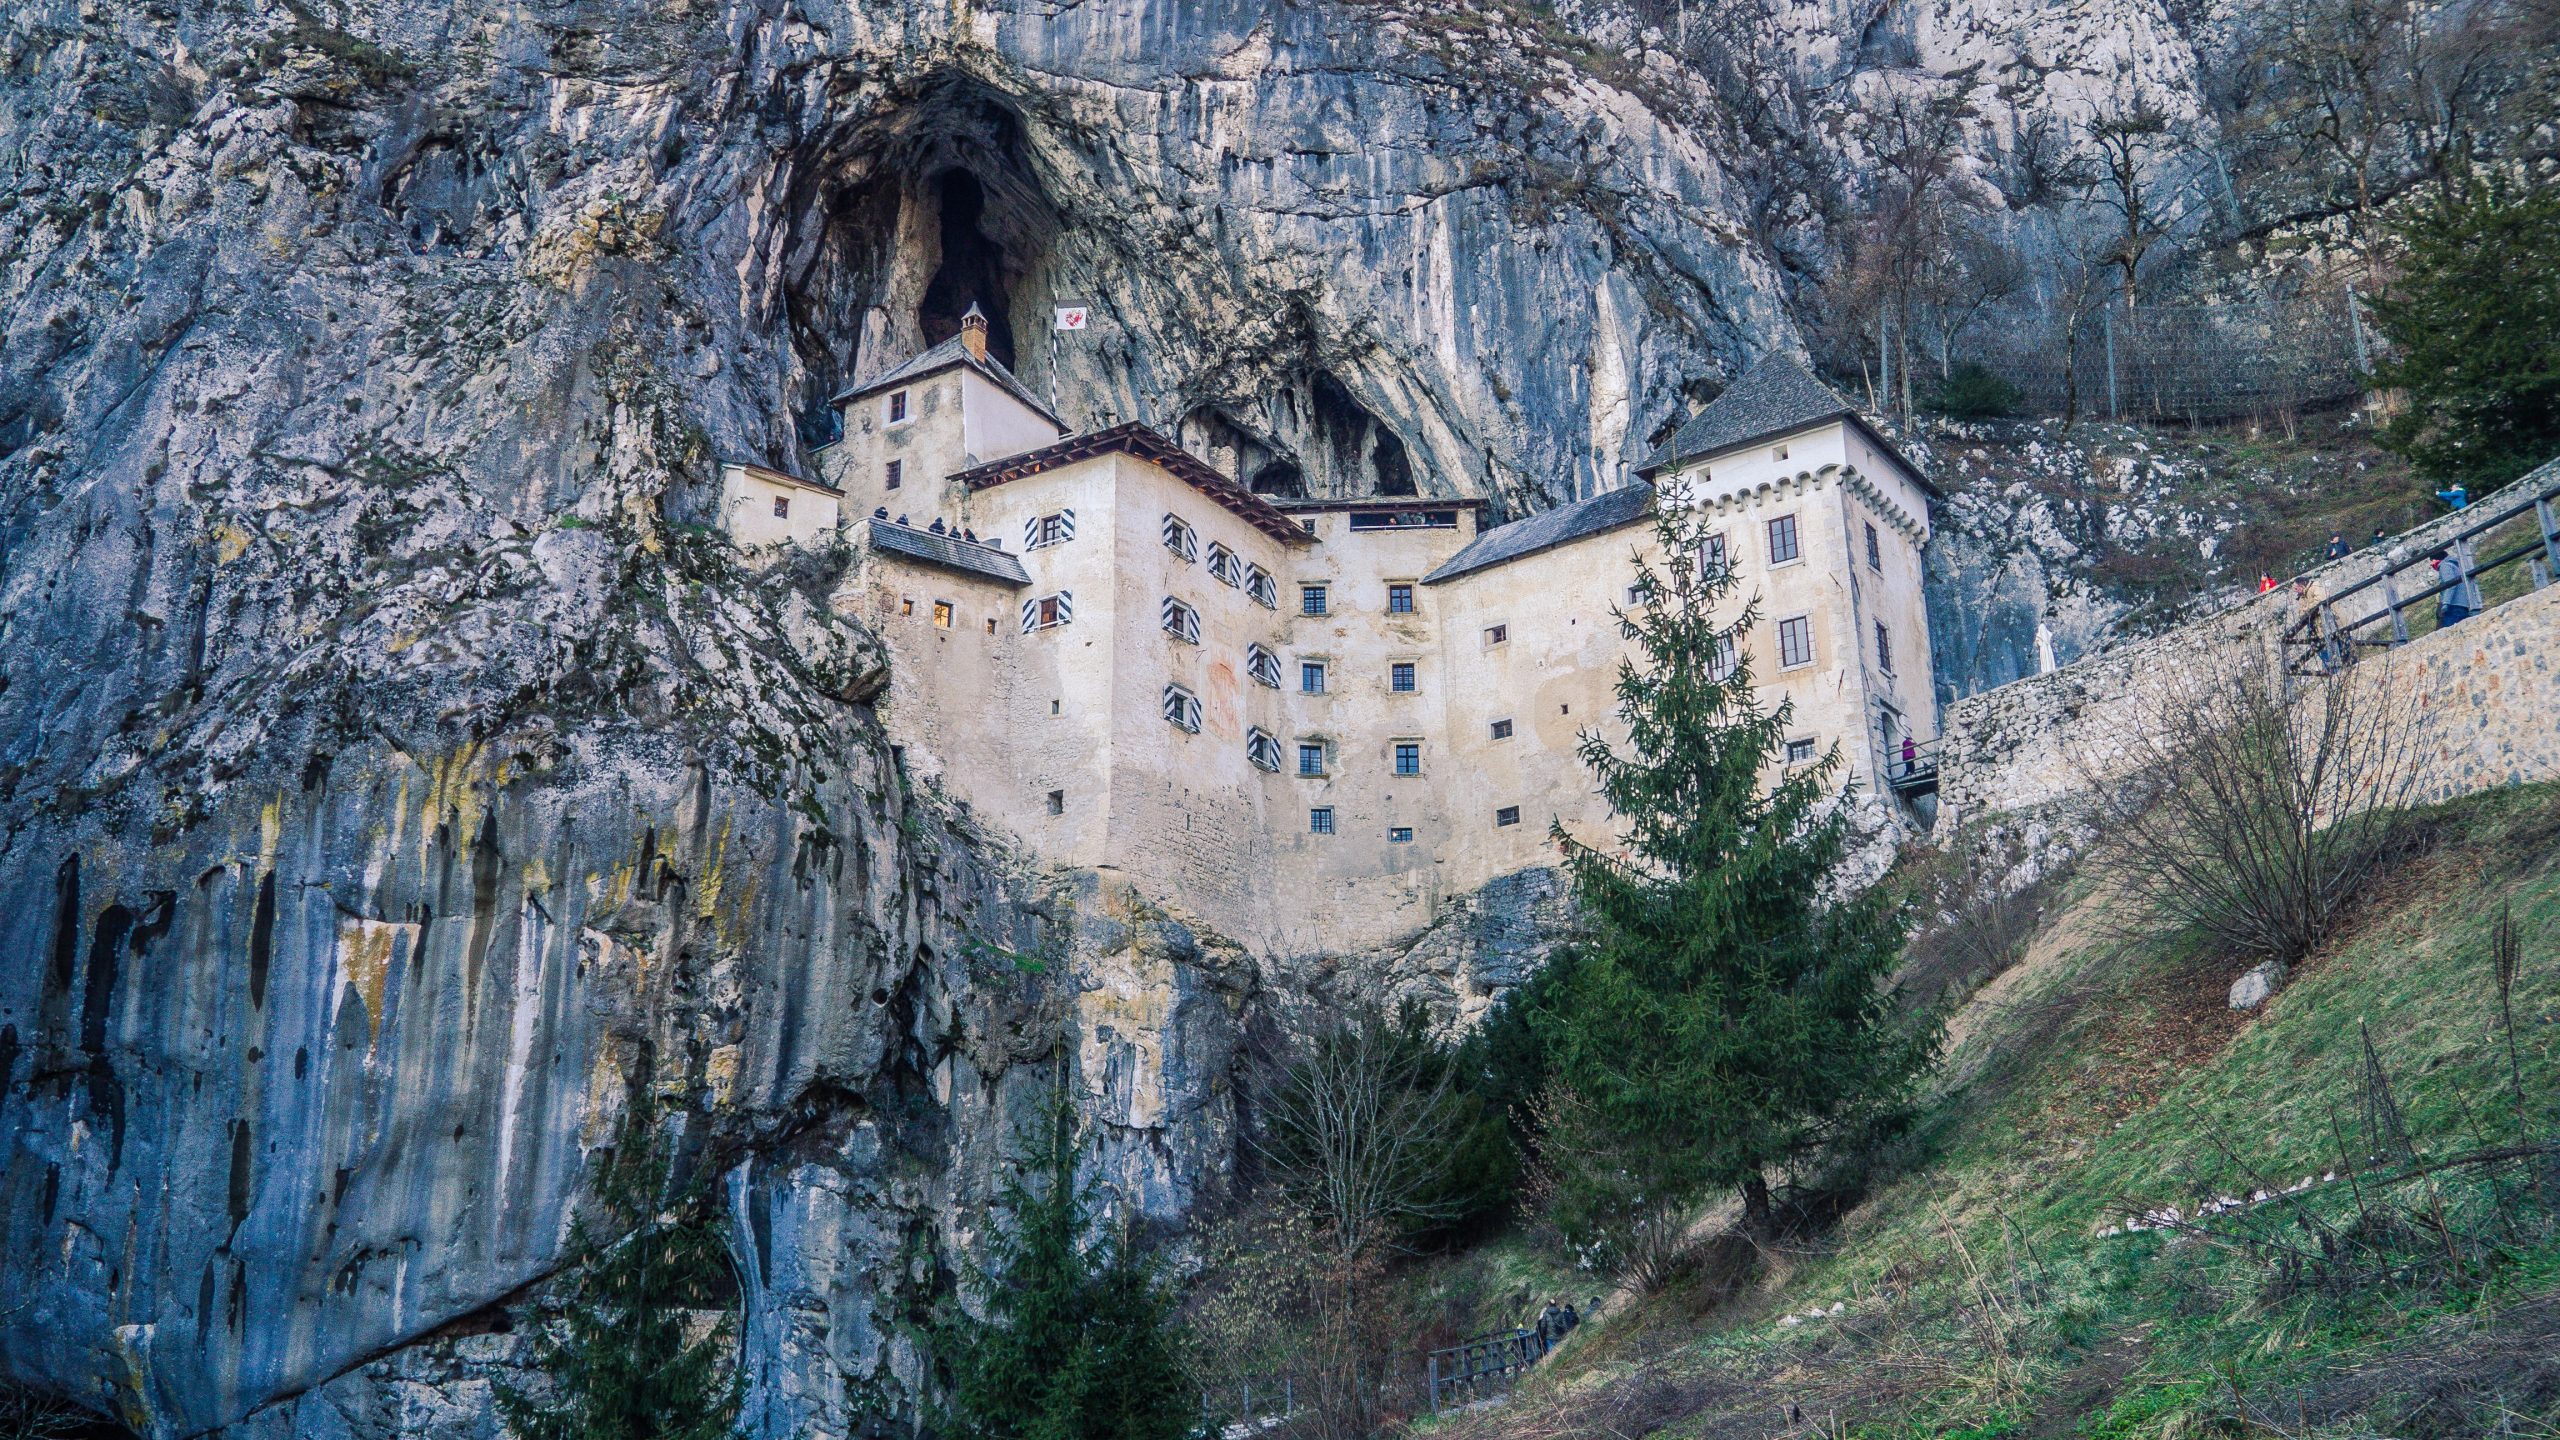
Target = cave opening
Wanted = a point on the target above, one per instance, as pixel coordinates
(973, 268)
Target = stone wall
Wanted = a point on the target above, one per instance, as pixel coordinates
(2034, 744)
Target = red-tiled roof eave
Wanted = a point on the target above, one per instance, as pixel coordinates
(1380, 502)
(1143, 443)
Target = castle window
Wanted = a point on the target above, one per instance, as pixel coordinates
(1507, 815)
(1399, 834)
(1048, 611)
(896, 473)
(1310, 599)
(1399, 599)
(1057, 802)
(1782, 540)
(1041, 531)
(1711, 558)
(1799, 751)
(1259, 584)
(1795, 642)
(1408, 757)
(1501, 729)
(1182, 708)
(1181, 539)
(1310, 677)
(1224, 565)
(1635, 594)
(1875, 555)
(897, 406)
(1181, 621)
(1262, 750)
(1320, 820)
(1262, 665)
(1722, 664)
(907, 606)
(1884, 649)
(1400, 677)
(1496, 634)
(942, 614)
(781, 507)
(1777, 452)
(991, 624)
(1311, 757)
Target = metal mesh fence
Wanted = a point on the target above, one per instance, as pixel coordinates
(2187, 363)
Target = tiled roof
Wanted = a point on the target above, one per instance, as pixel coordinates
(940, 358)
(1138, 440)
(948, 551)
(1774, 397)
(1608, 510)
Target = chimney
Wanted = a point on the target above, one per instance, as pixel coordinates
(973, 332)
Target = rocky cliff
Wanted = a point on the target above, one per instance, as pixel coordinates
(396, 774)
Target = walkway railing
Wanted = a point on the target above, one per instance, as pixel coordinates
(1472, 1368)
(2323, 641)
(1915, 775)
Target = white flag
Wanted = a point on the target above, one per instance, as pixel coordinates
(1071, 317)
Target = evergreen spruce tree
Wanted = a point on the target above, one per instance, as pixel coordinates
(623, 1359)
(1078, 1342)
(2474, 324)
(1724, 1010)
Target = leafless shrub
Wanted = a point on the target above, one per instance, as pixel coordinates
(2250, 816)
(28, 1415)
(1356, 1128)
(1981, 897)
(1294, 1337)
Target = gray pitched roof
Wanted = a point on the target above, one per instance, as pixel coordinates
(1608, 510)
(940, 358)
(1773, 397)
(948, 551)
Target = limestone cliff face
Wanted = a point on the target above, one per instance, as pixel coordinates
(396, 776)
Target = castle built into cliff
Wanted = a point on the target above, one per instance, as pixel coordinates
(1312, 722)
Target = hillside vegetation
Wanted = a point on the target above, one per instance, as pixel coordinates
(2351, 1197)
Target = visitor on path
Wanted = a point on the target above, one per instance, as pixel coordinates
(1550, 1325)
(2450, 607)
(2380, 537)
(2266, 583)
(1570, 1318)
(1910, 755)
(2458, 497)
(2338, 544)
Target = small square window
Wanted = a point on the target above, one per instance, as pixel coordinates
(1057, 802)
(1795, 642)
(991, 624)
(1507, 815)
(1777, 452)
(1635, 594)
(1400, 677)
(906, 607)
(1053, 707)
(942, 614)
(781, 508)
(1408, 757)
(1310, 677)
(1399, 599)
(1875, 554)
(1501, 729)
(1884, 648)
(897, 406)
(896, 473)
(1320, 820)
(1399, 834)
(1310, 757)
(1799, 751)
(1782, 540)
(1311, 600)
(1496, 634)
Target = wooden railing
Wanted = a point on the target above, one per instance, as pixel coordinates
(2321, 642)
(1473, 1368)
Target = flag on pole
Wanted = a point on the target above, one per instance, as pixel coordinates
(1072, 317)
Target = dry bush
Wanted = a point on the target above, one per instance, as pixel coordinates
(2251, 815)
(1357, 1128)
(1280, 1313)
(1980, 897)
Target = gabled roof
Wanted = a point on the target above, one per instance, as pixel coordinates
(1606, 511)
(1137, 440)
(948, 551)
(784, 477)
(1775, 397)
(943, 357)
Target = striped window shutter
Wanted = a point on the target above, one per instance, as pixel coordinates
(1031, 533)
(1066, 606)
(1066, 524)
(1030, 615)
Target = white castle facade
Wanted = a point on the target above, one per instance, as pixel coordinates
(1312, 723)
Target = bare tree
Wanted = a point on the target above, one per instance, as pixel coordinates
(2133, 145)
(2252, 816)
(1357, 1129)
(28, 1415)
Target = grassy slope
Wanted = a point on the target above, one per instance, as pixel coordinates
(1978, 1295)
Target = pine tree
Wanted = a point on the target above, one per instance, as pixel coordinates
(2474, 324)
(624, 1359)
(1725, 1010)
(1078, 1341)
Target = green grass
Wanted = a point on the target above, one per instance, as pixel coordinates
(1981, 1295)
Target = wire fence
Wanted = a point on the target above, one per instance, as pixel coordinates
(2182, 363)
